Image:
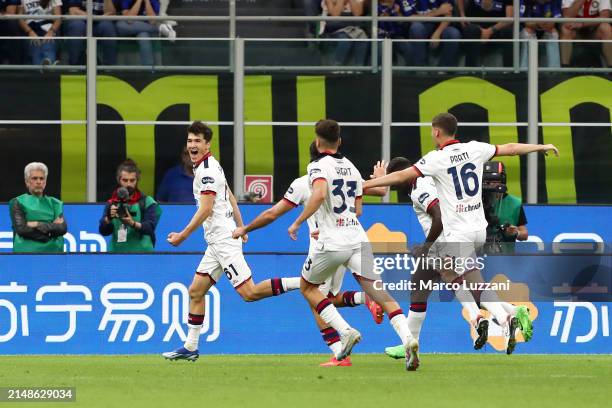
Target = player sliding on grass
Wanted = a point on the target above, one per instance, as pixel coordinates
(426, 205)
(336, 190)
(298, 194)
(456, 169)
(218, 213)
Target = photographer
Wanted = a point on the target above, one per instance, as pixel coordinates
(129, 215)
(504, 212)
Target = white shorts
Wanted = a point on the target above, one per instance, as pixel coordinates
(460, 246)
(333, 284)
(226, 257)
(323, 265)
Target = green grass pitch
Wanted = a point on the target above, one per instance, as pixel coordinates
(444, 380)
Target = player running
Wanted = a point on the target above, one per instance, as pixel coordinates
(456, 169)
(336, 190)
(297, 194)
(425, 202)
(218, 213)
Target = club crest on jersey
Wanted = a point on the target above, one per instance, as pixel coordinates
(423, 197)
(313, 171)
(207, 180)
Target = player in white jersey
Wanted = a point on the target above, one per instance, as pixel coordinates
(219, 214)
(425, 202)
(297, 194)
(456, 169)
(336, 190)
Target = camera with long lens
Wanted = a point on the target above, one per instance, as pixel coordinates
(493, 190)
(123, 196)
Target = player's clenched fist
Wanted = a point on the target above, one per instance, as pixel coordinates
(240, 232)
(175, 239)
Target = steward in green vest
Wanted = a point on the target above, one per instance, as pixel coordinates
(129, 215)
(38, 220)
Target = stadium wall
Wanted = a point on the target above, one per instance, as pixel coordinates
(95, 303)
(581, 176)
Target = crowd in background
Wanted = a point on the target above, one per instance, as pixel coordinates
(41, 49)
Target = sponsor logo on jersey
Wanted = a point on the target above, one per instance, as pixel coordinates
(422, 161)
(208, 180)
(462, 208)
(314, 171)
(423, 197)
(290, 190)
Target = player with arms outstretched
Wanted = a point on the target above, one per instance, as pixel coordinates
(456, 169)
(219, 214)
(336, 190)
(297, 194)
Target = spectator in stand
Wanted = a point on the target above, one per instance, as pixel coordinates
(10, 50)
(434, 31)
(78, 28)
(177, 184)
(392, 29)
(142, 29)
(586, 30)
(486, 31)
(42, 48)
(541, 8)
(337, 29)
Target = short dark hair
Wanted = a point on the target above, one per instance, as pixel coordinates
(398, 164)
(447, 122)
(129, 166)
(200, 128)
(314, 152)
(328, 130)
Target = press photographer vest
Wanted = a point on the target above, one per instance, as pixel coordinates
(135, 241)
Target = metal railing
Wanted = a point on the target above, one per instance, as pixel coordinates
(236, 64)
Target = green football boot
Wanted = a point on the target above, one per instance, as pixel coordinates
(396, 352)
(525, 323)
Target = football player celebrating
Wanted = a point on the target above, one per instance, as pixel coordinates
(297, 194)
(218, 213)
(456, 169)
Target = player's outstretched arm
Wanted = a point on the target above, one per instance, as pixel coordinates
(204, 211)
(266, 217)
(518, 149)
(395, 178)
(319, 192)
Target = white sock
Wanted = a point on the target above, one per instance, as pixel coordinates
(490, 300)
(193, 337)
(331, 316)
(467, 301)
(359, 298)
(415, 322)
(400, 325)
(509, 308)
(336, 348)
(290, 283)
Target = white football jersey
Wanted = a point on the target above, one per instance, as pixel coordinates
(457, 173)
(423, 196)
(339, 228)
(298, 193)
(210, 179)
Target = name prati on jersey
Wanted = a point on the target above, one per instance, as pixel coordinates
(209, 178)
(339, 228)
(456, 170)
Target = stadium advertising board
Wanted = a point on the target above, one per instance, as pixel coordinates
(127, 304)
(282, 151)
(384, 223)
